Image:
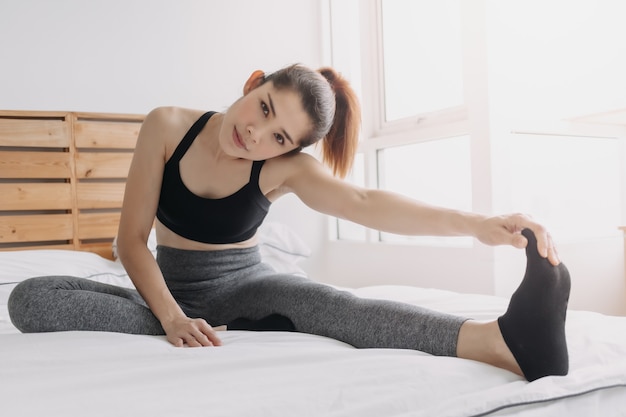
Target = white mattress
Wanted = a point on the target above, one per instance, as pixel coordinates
(288, 374)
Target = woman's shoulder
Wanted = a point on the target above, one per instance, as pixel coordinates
(297, 161)
(171, 116)
(278, 173)
(286, 169)
(167, 125)
(162, 130)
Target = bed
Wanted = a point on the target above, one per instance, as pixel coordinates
(61, 185)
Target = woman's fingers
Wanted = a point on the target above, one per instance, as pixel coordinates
(176, 341)
(192, 332)
(507, 229)
(209, 335)
(545, 244)
(193, 342)
(202, 334)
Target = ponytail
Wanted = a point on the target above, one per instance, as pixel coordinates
(341, 141)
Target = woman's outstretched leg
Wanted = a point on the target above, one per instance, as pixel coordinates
(529, 338)
(61, 303)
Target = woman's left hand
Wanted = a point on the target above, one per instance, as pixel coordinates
(506, 230)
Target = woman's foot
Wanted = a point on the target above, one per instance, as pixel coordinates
(533, 327)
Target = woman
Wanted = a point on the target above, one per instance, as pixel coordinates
(210, 178)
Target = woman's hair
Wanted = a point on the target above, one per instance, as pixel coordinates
(333, 108)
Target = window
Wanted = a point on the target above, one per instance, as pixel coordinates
(347, 230)
(421, 56)
(448, 85)
(434, 172)
(572, 184)
(418, 145)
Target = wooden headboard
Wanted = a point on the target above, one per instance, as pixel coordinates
(62, 178)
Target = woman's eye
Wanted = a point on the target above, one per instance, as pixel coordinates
(279, 138)
(264, 109)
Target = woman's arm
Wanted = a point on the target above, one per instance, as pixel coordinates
(138, 211)
(377, 209)
(395, 213)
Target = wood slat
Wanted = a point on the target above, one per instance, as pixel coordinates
(43, 246)
(34, 133)
(29, 196)
(124, 117)
(36, 228)
(90, 146)
(97, 225)
(116, 135)
(31, 114)
(102, 165)
(34, 164)
(103, 249)
(100, 195)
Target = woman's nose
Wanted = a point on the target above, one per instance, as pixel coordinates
(254, 134)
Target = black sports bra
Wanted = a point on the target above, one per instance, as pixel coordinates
(231, 219)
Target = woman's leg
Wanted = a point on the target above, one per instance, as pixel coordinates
(61, 303)
(533, 327)
(483, 342)
(326, 311)
(529, 339)
(233, 287)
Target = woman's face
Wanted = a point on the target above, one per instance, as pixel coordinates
(264, 123)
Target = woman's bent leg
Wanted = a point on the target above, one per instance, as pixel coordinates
(61, 303)
(233, 287)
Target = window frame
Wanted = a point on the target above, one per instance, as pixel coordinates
(365, 68)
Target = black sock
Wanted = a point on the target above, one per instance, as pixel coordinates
(533, 326)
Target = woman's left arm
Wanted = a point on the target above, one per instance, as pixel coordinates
(395, 213)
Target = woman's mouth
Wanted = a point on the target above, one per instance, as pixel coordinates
(238, 141)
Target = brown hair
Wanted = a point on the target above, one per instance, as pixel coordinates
(333, 108)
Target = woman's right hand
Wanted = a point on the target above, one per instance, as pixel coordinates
(191, 332)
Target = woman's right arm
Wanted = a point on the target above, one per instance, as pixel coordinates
(141, 198)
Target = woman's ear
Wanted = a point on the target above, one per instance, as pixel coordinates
(254, 81)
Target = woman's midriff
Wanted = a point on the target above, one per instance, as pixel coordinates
(166, 237)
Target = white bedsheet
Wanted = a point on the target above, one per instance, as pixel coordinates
(289, 374)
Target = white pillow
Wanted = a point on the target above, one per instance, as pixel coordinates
(20, 265)
(282, 248)
(17, 266)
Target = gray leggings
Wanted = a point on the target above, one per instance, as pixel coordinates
(232, 286)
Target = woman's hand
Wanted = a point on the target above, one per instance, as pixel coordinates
(191, 332)
(505, 230)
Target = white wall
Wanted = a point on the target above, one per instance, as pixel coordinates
(133, 55)
(129, 56)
